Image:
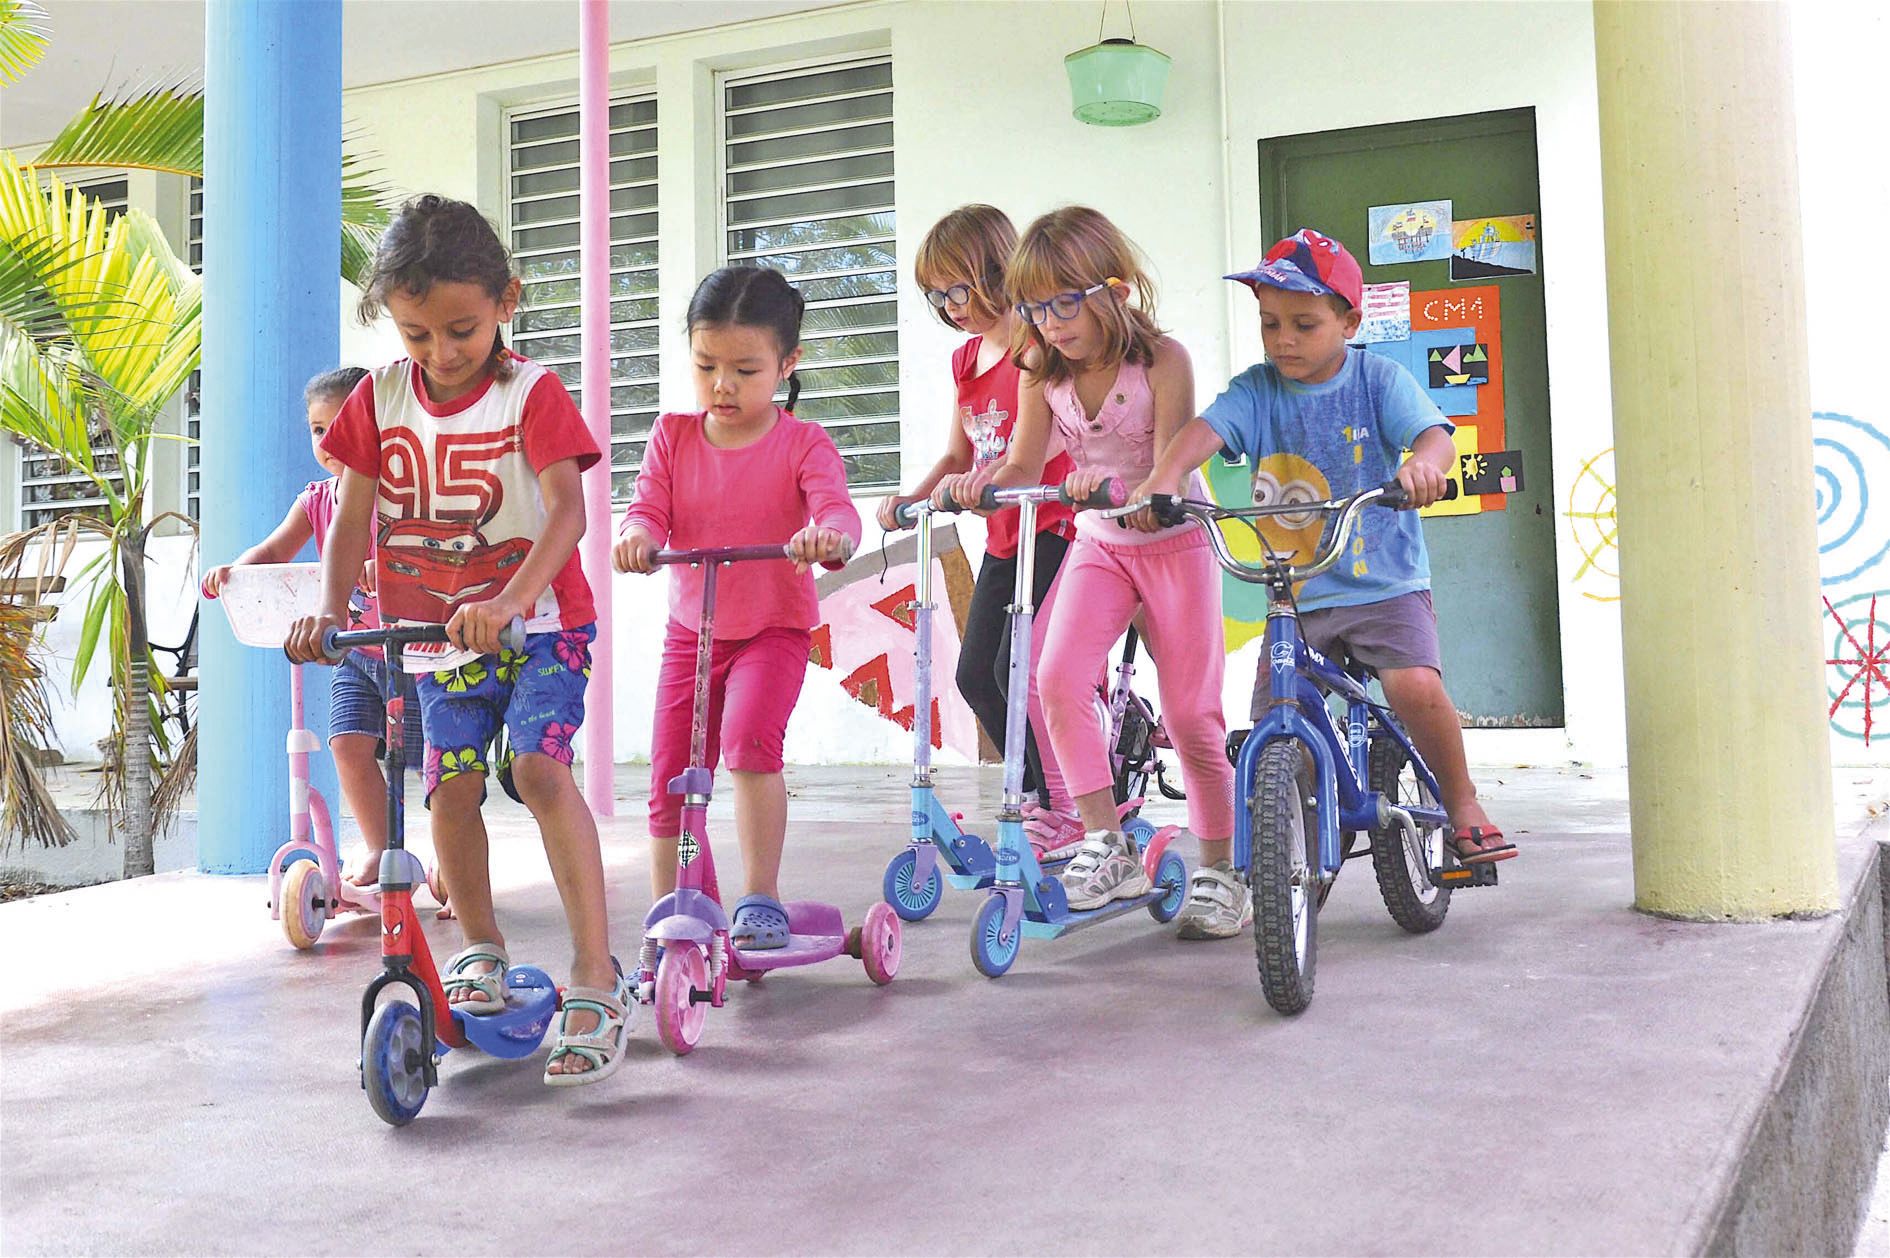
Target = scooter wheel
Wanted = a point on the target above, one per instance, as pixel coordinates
(880, 944)
(679, 1017)
(991, 951)
(303, 906)
(394, 1062)
(913, 903)
(1139, 828)
(1172, 873)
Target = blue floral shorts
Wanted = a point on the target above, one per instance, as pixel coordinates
(535, 695)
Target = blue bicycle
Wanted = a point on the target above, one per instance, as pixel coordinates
(1311, 784)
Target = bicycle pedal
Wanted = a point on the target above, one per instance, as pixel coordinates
(1481, 874)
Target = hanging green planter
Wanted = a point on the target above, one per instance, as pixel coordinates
(1117, 83)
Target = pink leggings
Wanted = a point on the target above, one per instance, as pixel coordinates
(753, 685)
(1176, 584)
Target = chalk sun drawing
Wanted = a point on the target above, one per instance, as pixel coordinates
(1591, 520)
(1857, 671)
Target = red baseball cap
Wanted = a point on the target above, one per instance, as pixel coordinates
(1309, 262)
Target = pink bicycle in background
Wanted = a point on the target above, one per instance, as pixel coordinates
(306, 886)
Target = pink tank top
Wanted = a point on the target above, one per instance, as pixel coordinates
(1121, 440)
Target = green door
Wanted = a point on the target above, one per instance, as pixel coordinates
(1493, 573)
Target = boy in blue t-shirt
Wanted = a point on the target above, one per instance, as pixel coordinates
(1321, 420)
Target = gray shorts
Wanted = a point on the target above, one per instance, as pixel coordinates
(1400, 632)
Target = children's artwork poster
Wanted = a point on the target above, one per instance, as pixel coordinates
(1490, 472)
(1442, 318)
(1387, 313)
(865, 636)
(1488, 248)
(1464, 440)
(1413, 354)
(1452, 366)
(1416, 231)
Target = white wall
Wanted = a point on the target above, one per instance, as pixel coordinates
(982, 113)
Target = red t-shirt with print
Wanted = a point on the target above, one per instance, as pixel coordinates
(987, 408)
(459, 503)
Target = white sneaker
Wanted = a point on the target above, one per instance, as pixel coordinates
(1219, 904)
(1105, 868)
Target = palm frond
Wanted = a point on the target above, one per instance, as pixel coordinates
(27, 809)
(155, 128)
(161, 128)
(24, 32)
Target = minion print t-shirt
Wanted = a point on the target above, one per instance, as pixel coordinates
(1311, 442)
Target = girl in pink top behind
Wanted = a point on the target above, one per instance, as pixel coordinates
(1101, 376)
(357, 710)
(740, 471)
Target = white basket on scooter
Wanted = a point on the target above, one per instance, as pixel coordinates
(262, 600)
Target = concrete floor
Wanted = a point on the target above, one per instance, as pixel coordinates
(1549, 1073)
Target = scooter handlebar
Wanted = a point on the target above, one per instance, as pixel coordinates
(907, 513)
(336, 643)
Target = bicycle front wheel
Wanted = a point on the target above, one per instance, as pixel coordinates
(1285, 877)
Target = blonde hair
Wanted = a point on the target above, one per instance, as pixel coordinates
(968, 246)
(1068, 250)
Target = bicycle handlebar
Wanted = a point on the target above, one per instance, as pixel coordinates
(336, 643)
(1173, 509)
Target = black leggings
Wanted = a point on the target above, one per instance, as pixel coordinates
(984, 657)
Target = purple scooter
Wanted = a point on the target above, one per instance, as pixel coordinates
(687, 958)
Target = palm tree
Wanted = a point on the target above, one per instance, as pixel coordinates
(100, 326)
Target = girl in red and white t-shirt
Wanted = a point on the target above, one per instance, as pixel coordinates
(961, 268)
(461, 462)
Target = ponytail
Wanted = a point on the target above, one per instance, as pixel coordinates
(793, 390)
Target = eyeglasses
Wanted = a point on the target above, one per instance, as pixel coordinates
(1063, 305)
(957, 295)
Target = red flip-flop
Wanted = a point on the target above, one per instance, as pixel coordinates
(1485, 844)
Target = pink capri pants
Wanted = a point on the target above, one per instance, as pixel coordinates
(1176, 583)
(753, 685)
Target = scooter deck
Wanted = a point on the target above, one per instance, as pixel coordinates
(816, 932)
(1038, 928)
(531, 1001)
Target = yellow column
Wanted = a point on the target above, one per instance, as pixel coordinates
(1729, 760)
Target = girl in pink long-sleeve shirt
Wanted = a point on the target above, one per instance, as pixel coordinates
(739, 472)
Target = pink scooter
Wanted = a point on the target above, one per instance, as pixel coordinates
(687, 960)
(306, 887)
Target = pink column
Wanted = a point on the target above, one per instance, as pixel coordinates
(594, 261)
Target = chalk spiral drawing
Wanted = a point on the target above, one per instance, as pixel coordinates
(1848, 457)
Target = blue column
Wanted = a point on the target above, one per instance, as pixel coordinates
(272, 255)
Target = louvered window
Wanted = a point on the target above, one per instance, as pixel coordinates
(49, 487)
(542, 199)
(807, 188)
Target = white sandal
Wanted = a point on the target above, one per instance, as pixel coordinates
(603, 1046)
(490, 986)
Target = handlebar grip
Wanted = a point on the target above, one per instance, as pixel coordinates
(987, 498)
(330, 652)
(1167, 509)
(1397, 500)
(1111, 493)
(512, 637)
(906, 514)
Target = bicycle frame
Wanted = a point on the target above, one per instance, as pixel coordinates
(1299, 681)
